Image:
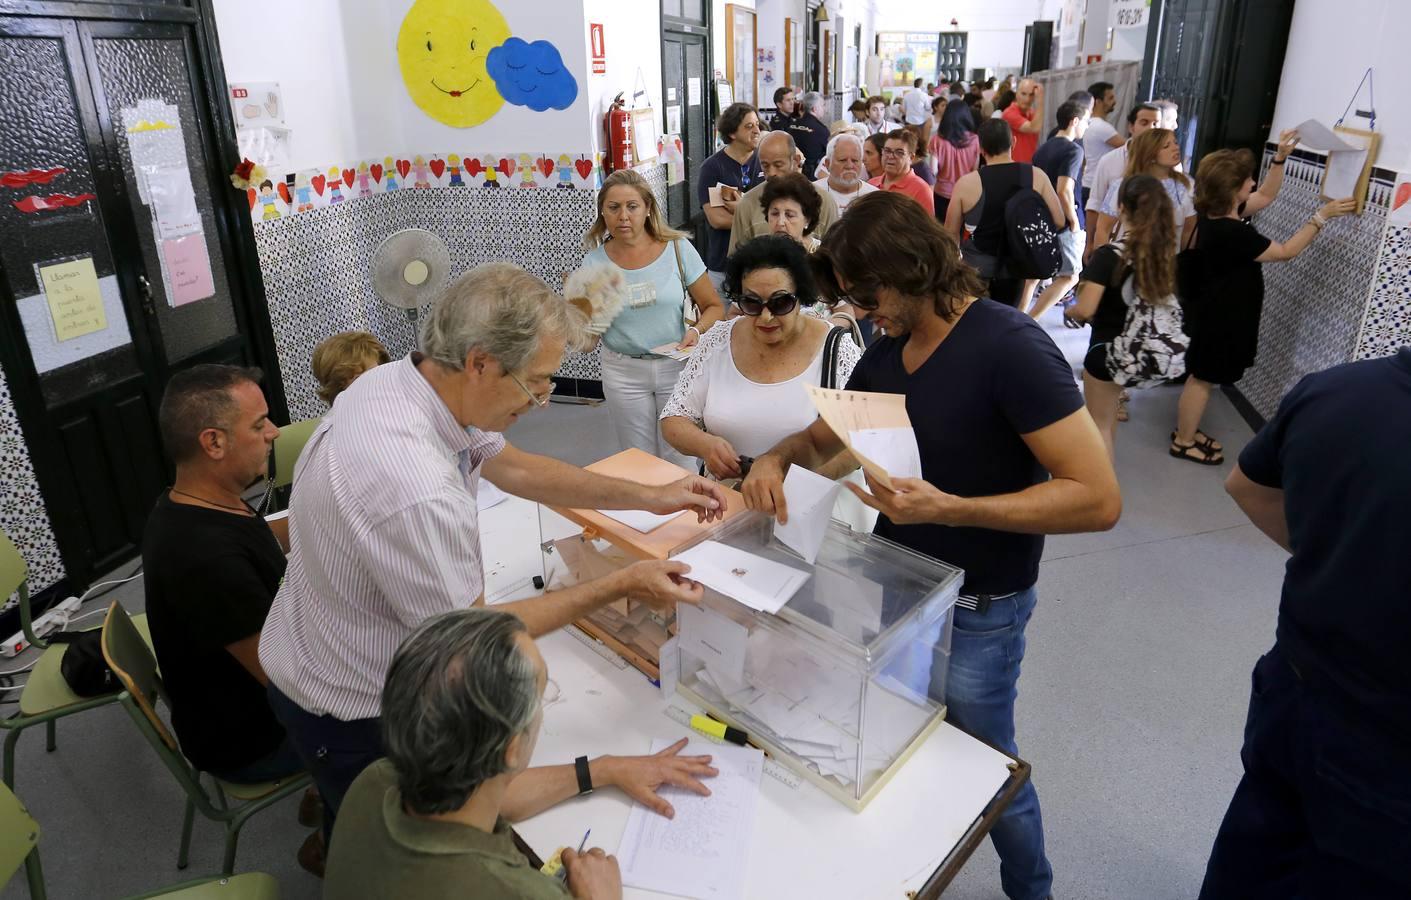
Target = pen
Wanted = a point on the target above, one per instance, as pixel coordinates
(563, 870)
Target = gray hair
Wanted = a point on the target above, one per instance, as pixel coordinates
(459, 690)
(501, 309)
(810, 99)
(848, 135)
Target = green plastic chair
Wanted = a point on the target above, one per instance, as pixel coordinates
(19, 846)
(135, 666)
(288, 446)
(46, 697)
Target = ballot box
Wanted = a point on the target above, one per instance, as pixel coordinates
(581, 545)
(846, 677)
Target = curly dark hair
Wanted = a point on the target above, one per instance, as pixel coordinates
(773, 251)
(797, 188)
(731, 119)
(888, 241)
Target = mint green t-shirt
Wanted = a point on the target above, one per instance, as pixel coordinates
(654, 311)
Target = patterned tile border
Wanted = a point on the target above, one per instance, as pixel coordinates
(23, 518)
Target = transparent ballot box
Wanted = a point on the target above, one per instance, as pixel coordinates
(847, 677)
(581, 545)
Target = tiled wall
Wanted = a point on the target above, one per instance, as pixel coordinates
(1386, 327)
(22, 515)
(1314, 304)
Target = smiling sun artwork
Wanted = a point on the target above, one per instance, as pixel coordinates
(460, 64)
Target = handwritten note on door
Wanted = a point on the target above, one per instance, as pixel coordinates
(75, 303)
(188, 268)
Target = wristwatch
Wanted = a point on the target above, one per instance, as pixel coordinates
(585, 777)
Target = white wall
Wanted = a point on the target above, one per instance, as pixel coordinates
(996, 27)
(1330, 46)
(343, 92)
(632, 42)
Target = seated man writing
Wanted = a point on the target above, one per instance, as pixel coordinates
(461, 713)
(212, 567)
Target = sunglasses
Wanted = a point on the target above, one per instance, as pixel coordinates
(864, 303)
(781, 304)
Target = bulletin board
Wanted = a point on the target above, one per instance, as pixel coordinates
(1344, 177)
(644, 136)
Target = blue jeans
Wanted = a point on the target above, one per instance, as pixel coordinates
(986, 651)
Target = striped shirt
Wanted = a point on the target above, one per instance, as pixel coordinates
(383, 534)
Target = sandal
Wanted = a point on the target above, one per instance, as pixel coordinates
(1122, 408)
(1197, 453)
(1070, 322)
(1203, 440)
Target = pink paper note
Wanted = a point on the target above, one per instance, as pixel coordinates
(188, 268)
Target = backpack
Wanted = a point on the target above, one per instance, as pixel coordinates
(1151, 349)
(83, 666)
(1031, 241)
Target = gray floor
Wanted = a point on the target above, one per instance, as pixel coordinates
(1131, 705)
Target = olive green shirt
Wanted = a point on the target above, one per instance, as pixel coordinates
(749, 221)
(380, 851)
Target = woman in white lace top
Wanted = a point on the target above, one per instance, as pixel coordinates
(743, 389)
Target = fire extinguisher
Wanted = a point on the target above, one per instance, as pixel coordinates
(619, 134)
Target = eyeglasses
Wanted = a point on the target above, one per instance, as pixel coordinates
(540, 400)
(864, 303)
(894, 151)
(780, 304)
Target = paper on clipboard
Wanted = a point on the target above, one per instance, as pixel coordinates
(1348, 153)
(851, 412)
(1316, 136)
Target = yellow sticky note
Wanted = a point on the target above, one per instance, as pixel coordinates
(75, 302)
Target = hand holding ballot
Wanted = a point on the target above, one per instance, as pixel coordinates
(660, 584)
(706, 497)
(909, 501)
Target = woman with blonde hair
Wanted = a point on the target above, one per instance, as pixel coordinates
(340, 359)
(1134, 275)
(665, 276)
(1153, 152)
(1222, 283)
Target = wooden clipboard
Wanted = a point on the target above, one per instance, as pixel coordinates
(848, 411)
(1372, 142)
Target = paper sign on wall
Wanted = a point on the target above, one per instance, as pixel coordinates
(188, 267)
(173, 201)
(673, 120)
(75, 303)
(693, 92)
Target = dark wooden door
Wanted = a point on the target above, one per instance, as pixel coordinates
(684, 57)
(109, 114)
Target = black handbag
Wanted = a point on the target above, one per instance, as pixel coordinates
(83, 665)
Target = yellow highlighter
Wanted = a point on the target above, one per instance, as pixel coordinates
(707, 725)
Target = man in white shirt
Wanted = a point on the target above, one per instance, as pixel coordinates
(1101, 138)
(916, 110)
(877, 115)
(1142, 117)
(844, 182)
(383, 529)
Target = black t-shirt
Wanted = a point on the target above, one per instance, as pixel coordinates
(719, 168)
(1337, 449)
(1223, 305)
(811, 136)
(996, 376)
(210, 578)
(1060, 156)
(1111, 313)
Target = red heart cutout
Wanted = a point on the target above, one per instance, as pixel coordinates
(437, 167)
(249, 192)
(584, 167)
(348, 175)
(318, 181)
(679, 148)
(1403, 193)
(376, 171)
(507, 166)
(473, 167)
(546, 166)
(403, 167)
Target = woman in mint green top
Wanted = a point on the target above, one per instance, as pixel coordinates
(664, 273)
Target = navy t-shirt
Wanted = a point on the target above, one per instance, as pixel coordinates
(996, 376)
(1060, 156)
(1338, 449)
(811, 136)
(719, 168)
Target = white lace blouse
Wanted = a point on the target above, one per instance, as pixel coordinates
(753, 417)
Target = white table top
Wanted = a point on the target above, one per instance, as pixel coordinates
(806, 843)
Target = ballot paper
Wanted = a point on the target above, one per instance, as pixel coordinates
(715, 640)
(670, 352)
(704, 850)
(1347, 157)
(850, 413)
(639, 519)
(713, 195)
(894, 449)
(759, 583)
(810, 499)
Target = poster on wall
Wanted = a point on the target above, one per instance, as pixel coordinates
(70, 287)
(908, 55)
(1129, 13)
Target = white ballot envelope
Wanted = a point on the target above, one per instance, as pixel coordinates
(639, 519)
(759, 583)
(880, 423)
(810, 498)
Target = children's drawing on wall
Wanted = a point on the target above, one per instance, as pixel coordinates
(270, 198)
(460, 64)
(526, 171)
(453, 163)
(335, 185)
(393, 167)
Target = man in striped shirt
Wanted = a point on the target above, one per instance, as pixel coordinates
(383, 524)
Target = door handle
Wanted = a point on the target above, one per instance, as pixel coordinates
(146, 287)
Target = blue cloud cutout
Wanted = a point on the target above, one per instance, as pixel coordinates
(531, 75)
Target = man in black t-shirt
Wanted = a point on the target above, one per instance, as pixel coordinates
(809, 132)
(212, 566)
(1008, 454)
(1324, 807)
(1061, 158)
(786, 105)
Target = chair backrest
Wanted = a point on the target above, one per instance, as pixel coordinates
(13, 570)
(288, 446)
(132, 661)
(21, 834)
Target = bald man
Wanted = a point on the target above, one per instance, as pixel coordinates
(778, 155)
(1026, 119)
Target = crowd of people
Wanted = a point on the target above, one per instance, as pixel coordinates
(339, 642)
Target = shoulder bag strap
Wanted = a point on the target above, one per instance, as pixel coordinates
(828, 378)
(688, 303)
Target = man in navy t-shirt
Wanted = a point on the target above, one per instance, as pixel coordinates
(1061, 159)
(1008, 454)
(1324, 807)
(736, 167)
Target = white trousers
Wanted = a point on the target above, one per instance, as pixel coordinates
(635, 391)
